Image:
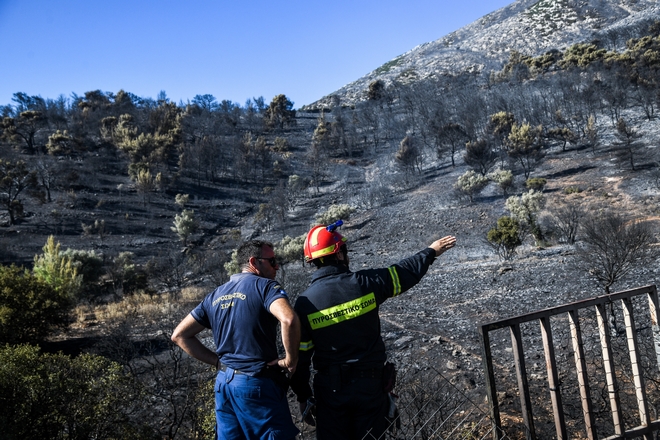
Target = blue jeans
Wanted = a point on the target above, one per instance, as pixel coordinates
(249, 407)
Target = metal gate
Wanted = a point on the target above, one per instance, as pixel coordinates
(601, 377)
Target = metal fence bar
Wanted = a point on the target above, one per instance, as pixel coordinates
(633, 348)
(491, 389)
(582, 377)
(608, 366)
(553, 378)
(655, 323)
(523, 385)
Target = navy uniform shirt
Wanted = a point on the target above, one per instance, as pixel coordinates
(243, 328)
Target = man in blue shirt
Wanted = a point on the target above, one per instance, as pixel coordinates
(251, 384)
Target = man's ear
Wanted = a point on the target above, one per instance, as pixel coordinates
(253, 263)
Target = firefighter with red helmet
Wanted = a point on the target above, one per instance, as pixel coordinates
(341, 335)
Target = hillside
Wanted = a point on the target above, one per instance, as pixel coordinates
(530, 27)
(113, 171)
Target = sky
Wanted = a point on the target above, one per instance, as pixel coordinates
(234, 50)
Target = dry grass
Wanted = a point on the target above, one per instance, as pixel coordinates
(146, 306)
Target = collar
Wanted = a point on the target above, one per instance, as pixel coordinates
(329, 270)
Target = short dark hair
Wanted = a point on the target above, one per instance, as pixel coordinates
(250, 249)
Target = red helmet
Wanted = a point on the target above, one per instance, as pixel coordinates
(321, 242)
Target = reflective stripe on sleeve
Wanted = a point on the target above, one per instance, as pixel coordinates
(342, 312)
(306, 345)
(395, 280)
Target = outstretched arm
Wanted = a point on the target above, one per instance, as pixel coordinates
(282, 310)
(185, 336)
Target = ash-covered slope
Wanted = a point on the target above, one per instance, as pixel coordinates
(531, 27)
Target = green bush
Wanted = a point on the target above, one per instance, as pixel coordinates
(536, 183)
(56, 396)
(334, 213)
(185, 224)
(30, 308)
(503, 179)
(128, 275)
(290, 249)
(505, 238)
(471, 184)
(232, 266)
(89, 266)
(57, 270)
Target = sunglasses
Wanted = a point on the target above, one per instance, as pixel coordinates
(271, 260)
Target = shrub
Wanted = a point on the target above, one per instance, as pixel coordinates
(126, 275)
(334, 213)
(181, 199)
(30, 308)
(536, 183)
(290, 249)
(184, 224)
(503, 179)
(88, 265)
(613, 245)
(505, 238)
(471, 184)
(56, 396)
(232, 266)
(57, 270)
(525, 209)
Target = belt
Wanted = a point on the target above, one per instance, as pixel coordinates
(222, 367)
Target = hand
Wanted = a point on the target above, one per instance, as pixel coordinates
(443, 244)
(285, 364)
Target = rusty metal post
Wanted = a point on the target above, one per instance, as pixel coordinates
(655, 323)
(491, 389)
(635, 362)
(523, 385)
(582, 375)
(553, 378)
(608, 365)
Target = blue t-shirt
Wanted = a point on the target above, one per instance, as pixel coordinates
(243, 328)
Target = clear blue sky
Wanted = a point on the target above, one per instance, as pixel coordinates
(230, 49)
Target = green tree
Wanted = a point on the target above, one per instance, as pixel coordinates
(280, 113)
(24, 128)
(59, 143)
(145, 183)
(479, 155)
(30, 309)
(15, 177)
(524, 146)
